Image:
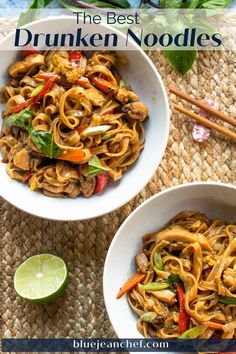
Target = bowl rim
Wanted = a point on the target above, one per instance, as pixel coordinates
(127, 220)
(108, 208)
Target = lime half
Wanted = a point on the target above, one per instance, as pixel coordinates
(41, 278)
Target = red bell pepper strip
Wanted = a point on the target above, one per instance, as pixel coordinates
(184, 318)
(34, 99)
(45, 89)
(102, 181)
(23, 105)
(102, 84)
(130, 284)
(75, 56)
(46, 76)
(29, 51)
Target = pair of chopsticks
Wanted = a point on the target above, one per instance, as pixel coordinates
(204, 106)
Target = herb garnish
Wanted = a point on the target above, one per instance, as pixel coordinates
(95, 167)
(42, 140)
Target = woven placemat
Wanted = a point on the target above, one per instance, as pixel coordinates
(83, 245)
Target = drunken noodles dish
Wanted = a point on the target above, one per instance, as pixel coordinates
(70, 122)
(185, 286)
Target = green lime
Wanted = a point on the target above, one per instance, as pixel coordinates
(41, 278)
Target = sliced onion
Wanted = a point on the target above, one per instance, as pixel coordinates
(95, 130)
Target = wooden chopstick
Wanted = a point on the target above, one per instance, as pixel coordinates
(206, 122)
(203, 106)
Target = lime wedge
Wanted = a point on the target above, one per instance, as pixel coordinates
(41, 278)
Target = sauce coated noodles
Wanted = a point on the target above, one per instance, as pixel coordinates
(70, 122)
(185, 284)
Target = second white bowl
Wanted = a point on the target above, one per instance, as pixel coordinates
(216, 200)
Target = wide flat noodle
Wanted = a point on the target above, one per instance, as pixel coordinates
(86, 93)
(203, 254)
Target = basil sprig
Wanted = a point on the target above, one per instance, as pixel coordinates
(181, 61)
(42, 140)
(95, 167)
(21, 119)
(174, 279)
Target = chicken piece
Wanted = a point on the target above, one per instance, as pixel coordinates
(21, 160)
(136, 110)
(22, 67)
(229, 279)
(95, 97)
(6, 144)
(148, 305)
(142, 262)
(126, 96)
(167, 296)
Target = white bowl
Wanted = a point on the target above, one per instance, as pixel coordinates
(142, 75)
(216, 200)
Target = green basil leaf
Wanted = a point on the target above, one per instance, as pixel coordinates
(215, 4)
(181, 60)
(171, 4)
(44, 142)
(29, 16)
(98, 3)
(172, 280)
(39, 4)
(21, 119)
(192, 4)
(119, 3)
(95, 167)
(227, 300)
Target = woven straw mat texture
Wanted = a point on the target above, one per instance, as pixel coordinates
(83, 245)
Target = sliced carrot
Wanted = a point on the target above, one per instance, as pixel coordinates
(214, 325)
(130, 284)
(74, 156)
